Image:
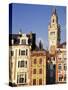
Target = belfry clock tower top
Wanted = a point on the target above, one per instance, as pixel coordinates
(53, 32)
(54, 17)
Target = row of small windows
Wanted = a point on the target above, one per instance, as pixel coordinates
(61, 77)
(62, 58)
(60, 67)
(21, 52)
(35, 61)
(59, 51)
(23, 41)
(35, 81)
(35, 71)
(22, 64)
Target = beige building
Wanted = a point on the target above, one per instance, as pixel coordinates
(38, 68)
(61, 65)
(53, 32)
(19, 56)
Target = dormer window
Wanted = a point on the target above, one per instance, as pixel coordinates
(23, 42)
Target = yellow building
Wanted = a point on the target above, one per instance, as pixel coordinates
(38, 67)
(53, 32)
(19, 56)
(61, 64)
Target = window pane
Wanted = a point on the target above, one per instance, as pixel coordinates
(23, 52)
(34, 71)
(40, 81)
(22, 63)
(40, 61)
(34, 61)
(40, 71)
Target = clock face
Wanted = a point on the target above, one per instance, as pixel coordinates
(52, 35)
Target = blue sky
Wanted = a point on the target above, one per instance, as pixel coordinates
(36, 18)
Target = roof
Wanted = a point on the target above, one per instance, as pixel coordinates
(62, 45)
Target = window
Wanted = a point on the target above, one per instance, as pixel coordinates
(10, 70)
(21, 78)
(35, 61)
(65, 58)
(24, 42)
(40, 61)
(23, 52)
(12, 53)
(22, 63)
(60, 58)
(64, 66)
(65, 77)
(40, 81)
(40, 71)
(34, 71)
(34, 81)
(59, 66)
(60, 77)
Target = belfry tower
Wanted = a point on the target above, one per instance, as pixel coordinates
(53, 32)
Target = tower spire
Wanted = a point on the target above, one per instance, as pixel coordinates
(40, 45)
(54, 11)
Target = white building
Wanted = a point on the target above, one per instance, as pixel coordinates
(19, 56)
